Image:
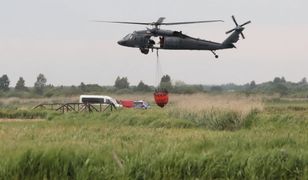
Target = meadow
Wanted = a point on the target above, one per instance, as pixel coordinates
(198, 136)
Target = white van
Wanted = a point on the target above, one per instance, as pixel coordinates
(96, 99)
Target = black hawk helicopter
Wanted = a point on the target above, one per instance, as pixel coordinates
(176, 40)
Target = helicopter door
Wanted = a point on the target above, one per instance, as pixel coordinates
(161, 41)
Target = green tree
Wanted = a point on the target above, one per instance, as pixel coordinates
(40, 84)
(279, 80)
(165, 82)
(303, 81)
(143, 87)
(276, 80)
(4, 83)
(121, 83)
(252, 85)
(20, 85)
(283, 80)
(281, 89)
(83, 87)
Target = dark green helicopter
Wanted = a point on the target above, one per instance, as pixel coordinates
(176, 40)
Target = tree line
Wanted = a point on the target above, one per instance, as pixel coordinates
(279, 85)
(41, 88)
(39, 85)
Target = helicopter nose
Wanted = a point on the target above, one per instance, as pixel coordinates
(121, 42)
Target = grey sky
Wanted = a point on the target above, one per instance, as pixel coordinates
(56, 38)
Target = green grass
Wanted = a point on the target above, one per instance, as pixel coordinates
(287, 104)
(159, 144)
(22, 114)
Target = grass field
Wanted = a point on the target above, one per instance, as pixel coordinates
(195, 137)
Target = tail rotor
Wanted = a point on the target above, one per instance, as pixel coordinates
(239, 28)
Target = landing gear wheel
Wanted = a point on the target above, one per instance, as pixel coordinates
(216, 56)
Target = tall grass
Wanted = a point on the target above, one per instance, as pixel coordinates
(222, 139)
(205, 102)
(93, 150)
(223, 112)
(59, 164)
(27, 103)
(216, 119)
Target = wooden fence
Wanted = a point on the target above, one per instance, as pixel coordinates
(75, 107)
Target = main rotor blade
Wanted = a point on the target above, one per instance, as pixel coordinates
(124, 22)
(160, 20)
(248, 22)
(234, 20)
(191, 22)
(231, 31)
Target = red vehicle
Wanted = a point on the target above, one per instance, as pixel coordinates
(127, 103)
(135, 104)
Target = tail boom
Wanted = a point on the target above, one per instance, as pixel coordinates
(233, 38)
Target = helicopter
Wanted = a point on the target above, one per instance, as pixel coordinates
(176, 40)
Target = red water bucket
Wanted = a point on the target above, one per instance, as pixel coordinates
(161, 98)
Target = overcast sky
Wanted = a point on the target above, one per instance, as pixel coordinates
(58, 39)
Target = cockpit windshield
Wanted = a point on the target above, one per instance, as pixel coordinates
(128, 37)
